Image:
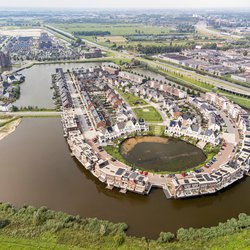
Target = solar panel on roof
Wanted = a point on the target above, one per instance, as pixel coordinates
(119, 171)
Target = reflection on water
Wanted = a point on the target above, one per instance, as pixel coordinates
(36, 168)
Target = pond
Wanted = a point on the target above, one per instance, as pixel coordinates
(161, 154)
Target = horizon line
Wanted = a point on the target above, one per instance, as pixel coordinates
(243, 8)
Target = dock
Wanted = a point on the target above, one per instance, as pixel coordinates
(123, 191)
(167, 192)
(109, 187)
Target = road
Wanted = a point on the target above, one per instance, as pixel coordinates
(203, 28)
(189, 73)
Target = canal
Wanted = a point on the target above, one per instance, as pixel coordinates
(35, 91)
(36, 168)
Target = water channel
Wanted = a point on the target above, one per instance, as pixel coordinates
(36, 169)
(35, 91)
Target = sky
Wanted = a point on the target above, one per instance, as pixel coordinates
(130, 4)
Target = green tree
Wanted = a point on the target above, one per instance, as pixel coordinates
(165, 237)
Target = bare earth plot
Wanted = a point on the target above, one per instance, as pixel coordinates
(20, 32)
(112, 39)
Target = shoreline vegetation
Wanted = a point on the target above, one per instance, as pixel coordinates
(8, 123)
(32, 228)
(31, 109)
(115, 150)
(95, 60)
(132, 142)
(9, 126)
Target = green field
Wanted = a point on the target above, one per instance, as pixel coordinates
(149, 114)
(234, 241)
(118, 32)
(114, 29)
(112, 39)
(132, 100)
(29, 244)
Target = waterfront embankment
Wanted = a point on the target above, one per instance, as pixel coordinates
(9, 127)
(36, 164)
(132, 142)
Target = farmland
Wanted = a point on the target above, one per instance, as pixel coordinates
(114, 29)
(112, 39)
(117, 33)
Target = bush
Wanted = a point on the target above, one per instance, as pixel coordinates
(39, 216)
(119, 239)
(229, 227)
(4, 223)
(165, 237)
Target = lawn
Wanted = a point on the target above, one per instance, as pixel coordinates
(149, 114)
(132, 100)
(156, 129)
(115, 153)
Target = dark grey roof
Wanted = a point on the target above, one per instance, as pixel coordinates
(120, 171)
(121, 125)
(195, 127)
(208, 132)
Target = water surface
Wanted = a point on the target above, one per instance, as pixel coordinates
(161, 154)
(36, 168)
(35, 91)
